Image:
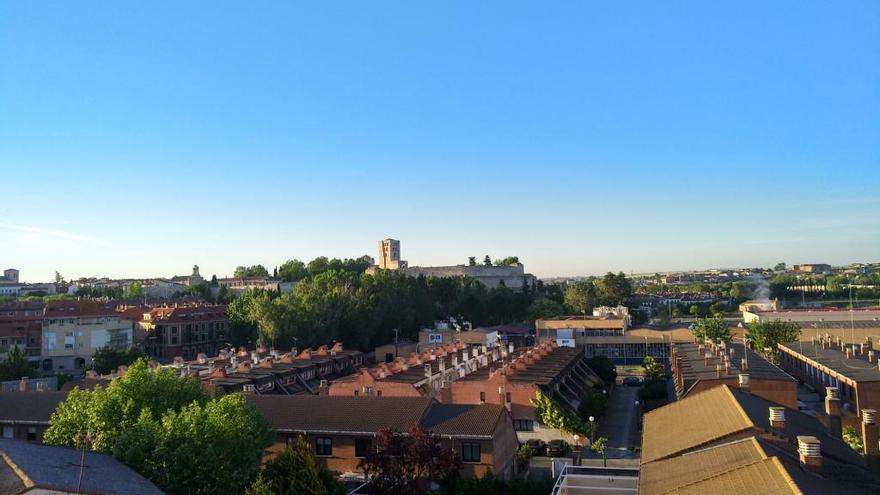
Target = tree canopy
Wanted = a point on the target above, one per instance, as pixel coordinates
(15, 366)
(250, 271)
(763, 336)
(714, 329)
(295, 470)
(165, 427)
(407, 463)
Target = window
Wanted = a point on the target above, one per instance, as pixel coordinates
(507, 396)
(357, 392)
(523, 425)
(470, 452)
(8, 432)
(482, 396)
(361, 447)
(323, 446)
(32, 434)
(378, 393)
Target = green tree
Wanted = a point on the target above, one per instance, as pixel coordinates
(295, 470)
(163, 426)
(106, 413)
(549, 413)
(713, 329)
(134, 291)
(737, 291)
(472, 261)
(833, 284)
(653, 369)
(15, 366)
(210, 448)
(487, 261)
(780, 267)
(581, 297)
(106, 359)
(599, 446)
(293, 271)
(250, 271)
(543, 307)
(58, 278)
(510, 260)
(853, 438)
(614, 289)
(764, 336)
(694, 310)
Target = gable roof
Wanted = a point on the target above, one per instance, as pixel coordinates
(711, 415)
(366, 415)
(340, 414)
(57, 469)
(470, 420)
(671, 475)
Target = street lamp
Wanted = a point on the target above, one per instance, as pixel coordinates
(592, 429)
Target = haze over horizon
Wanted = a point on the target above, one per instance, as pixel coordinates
(139, 140)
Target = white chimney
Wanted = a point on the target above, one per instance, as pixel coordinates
(428, 371)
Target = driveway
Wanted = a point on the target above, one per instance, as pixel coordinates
(620, 424)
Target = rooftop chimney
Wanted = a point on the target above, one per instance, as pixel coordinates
(23, 384)
(717, 371)
(744, 381)
(832, 409)
(871, 357)
(324, 388)
(870, 438)
(777, 419)
(41, 386)
(810, 453)
(849, 354)
(428, 371)
(744, 364)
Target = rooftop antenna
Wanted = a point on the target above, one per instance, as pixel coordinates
(82, 459)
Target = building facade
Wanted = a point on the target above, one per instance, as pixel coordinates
(73, 330)
(341, 430)
(185, 331)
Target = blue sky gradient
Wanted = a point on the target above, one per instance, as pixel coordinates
(138, 139)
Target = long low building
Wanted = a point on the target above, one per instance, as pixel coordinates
(341, 430)
(270, 372)
(697, 367)
(831, 362)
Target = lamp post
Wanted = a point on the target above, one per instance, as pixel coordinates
(592, 429)
(576, 454)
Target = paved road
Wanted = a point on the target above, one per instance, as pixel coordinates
(620, 424)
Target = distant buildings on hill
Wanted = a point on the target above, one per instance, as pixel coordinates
(512, 276)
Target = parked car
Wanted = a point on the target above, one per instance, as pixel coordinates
(557, 448)
(632, 381)
(536, 446)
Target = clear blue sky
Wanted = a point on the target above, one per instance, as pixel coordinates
(140, 138)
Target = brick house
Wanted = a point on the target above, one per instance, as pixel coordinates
(185, 331)
(342, 429)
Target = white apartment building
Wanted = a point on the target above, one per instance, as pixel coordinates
(74, 330)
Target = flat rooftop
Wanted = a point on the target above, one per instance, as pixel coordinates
(694, 367)
(830, 315)
(857, 368)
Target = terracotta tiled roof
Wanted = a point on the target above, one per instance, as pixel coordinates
(711, 415)
(59, 309)
(341, 414)
(188, 313)
(29, 407)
